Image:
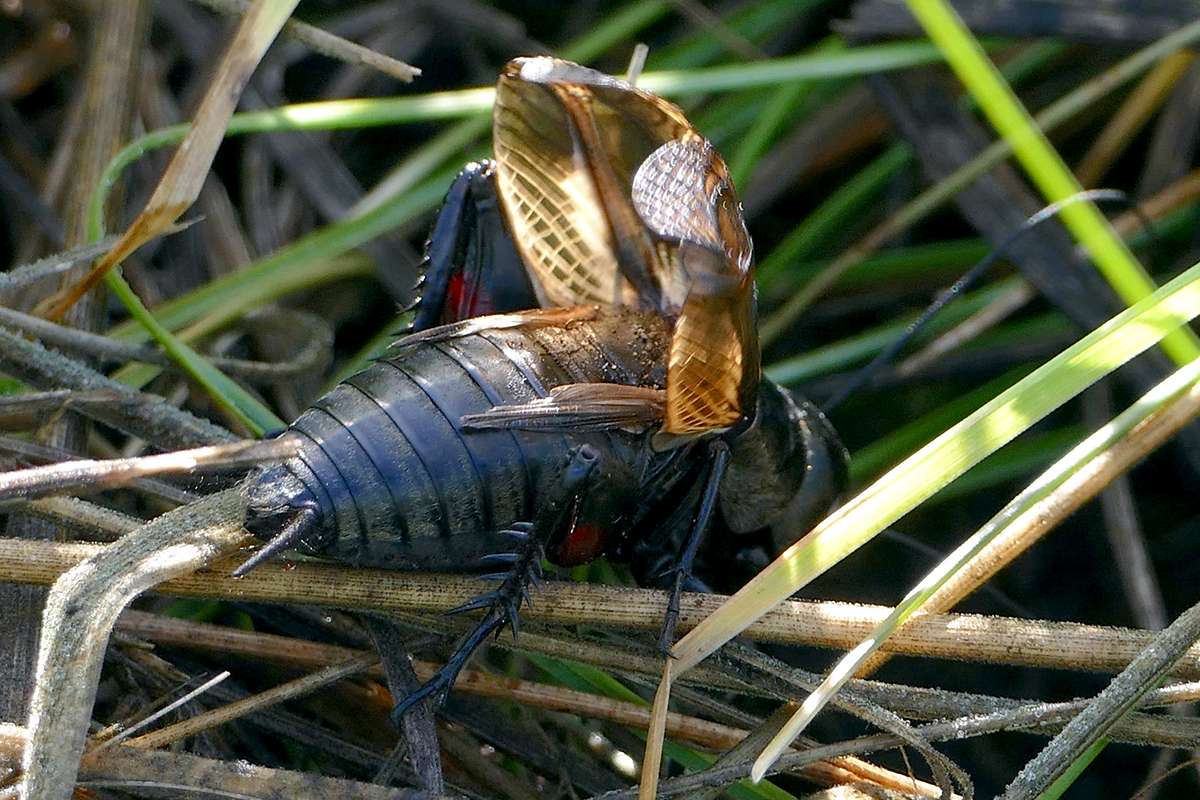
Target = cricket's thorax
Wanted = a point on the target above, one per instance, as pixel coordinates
(398, 482)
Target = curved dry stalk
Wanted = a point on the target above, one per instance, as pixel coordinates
(964, 637)
(80, 612)
(1101, 714)
(129, 767)
(1047, 513)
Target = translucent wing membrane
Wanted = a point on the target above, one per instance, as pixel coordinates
(612, 197)
(578, 407)
(683, 193)
(567, 141)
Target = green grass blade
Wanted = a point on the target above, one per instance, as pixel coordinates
(1042, 163)
(829, 217)
(863, 346)
(946, 457)
(231, 397)
(1064, 781)
(768, 124)
(1171, 388)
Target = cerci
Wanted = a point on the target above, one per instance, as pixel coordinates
(582, 378)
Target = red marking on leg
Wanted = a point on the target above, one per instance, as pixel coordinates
(464, 299)
(455, 289)
(584, 543)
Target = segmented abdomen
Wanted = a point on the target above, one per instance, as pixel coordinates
(396, 480)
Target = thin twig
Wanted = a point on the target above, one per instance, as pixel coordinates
(162, 712)
(249, 705)
(93, 475)
(25, 452)
(418, 726)
(326, 43)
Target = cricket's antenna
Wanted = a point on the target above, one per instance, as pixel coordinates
(636, 62)
(286, 539)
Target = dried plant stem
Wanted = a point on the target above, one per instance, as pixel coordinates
(129, 767)
(908, 701)
(1135, 112)
(297, 652)
(1076, 490)
(969, 637)
(80, 612)
(143, 415)
(101, 524)
(96, 474)
(1117, 699)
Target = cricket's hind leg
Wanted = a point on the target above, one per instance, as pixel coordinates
(472, 267)
(503, 604)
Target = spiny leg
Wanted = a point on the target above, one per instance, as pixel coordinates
(471, 264)
(718, 453)
(504, 603)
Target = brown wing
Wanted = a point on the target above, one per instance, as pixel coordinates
(577, 407)
(567, 143)
(683, 194)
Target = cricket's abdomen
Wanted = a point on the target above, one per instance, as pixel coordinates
(398, 483)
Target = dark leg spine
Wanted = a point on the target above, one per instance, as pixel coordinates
(504, 603)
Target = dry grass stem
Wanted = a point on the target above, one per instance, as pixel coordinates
(908, 701)
(185, 175)
(249, 705)
(967, 637)
(96, 474)
(326, 43)
(80, 611)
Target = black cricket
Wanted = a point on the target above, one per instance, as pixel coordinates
(509, 425)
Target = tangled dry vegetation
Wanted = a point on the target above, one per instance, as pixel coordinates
(868, 184)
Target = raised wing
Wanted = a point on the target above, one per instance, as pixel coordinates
(684, 195)
(612, 197)
(567, 143)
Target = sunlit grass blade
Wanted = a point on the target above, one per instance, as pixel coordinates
(945, 458)
(1175, 385)
(181, 182)
(1043, 164)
